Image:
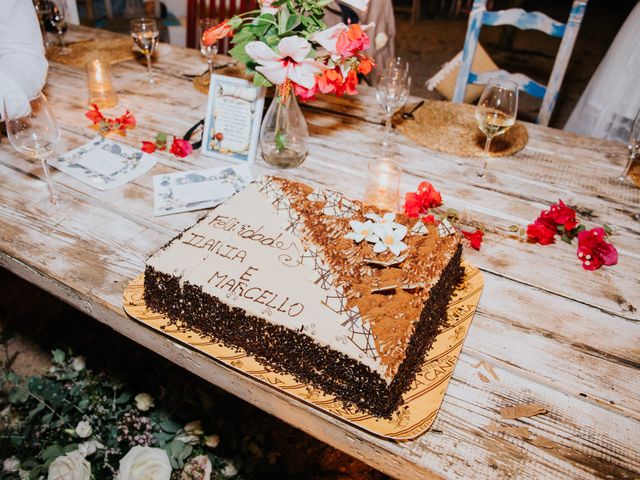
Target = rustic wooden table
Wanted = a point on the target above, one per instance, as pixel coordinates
(555, 335)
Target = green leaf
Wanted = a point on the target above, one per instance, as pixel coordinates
(565, 238)
(51, 452)
(58, 356)
(513, 228)
(18, 395)
(35, 411)
(124, 397)
(292, 22)
(239, 54)
(580, 228)
(281, 141)
(246, 35)
(161, 137)
(169, 426)
(272, 40)
(608, 230)
(259, 80)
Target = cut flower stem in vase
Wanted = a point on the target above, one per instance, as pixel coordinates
(284, 133)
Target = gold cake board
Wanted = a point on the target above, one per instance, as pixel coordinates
(421, 402)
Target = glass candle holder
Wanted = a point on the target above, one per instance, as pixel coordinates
(383, 184)
(101, 90)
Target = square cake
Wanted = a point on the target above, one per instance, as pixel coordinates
(340, 294)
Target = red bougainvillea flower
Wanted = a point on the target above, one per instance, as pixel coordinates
(418, 203)
(149, 147)
(429, 219)
(352, 41)
(126, 121)
(94, 115)
(475, 238)
(541, 232)
(560, 214)
(305, 94)
(351, 83)
(180, 148)
(594, 251)
(212, 35)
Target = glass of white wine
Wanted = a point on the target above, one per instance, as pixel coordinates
(496, 112)
(208, 51)
(32, 130)
(145, 33)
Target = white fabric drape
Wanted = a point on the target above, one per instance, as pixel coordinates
(23, 66)
(612, 99)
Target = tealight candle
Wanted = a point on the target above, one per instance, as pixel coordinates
(101, 90)
(383, 184)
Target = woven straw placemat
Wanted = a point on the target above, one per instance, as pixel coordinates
(452, 128)
(79, 53)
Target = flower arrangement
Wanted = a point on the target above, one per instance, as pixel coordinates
(286, 44)
(106, 125)
(74, 423)
(593, 249)
(383, 232)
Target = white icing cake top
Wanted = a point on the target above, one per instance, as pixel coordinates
(250, 253)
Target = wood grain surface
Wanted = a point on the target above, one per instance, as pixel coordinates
(546, 331)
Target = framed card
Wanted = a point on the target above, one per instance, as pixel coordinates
(232, 122)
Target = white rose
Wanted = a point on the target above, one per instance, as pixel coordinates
(144, 401)
(229, 470)
(89, 447)
(145, 463)
(191, 433)
(78, 363)
(71, 466)
(198, 468)
(212, 441)
(83, 429)
(11, 464)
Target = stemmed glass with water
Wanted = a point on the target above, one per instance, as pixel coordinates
(392, 90)
(145, 33)
(58, 20)
(32, 130)
(634, 148)
(496, 112)
(208, 51)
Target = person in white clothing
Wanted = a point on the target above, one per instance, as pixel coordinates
(23, 66)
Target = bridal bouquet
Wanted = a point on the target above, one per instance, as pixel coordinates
(286, 44)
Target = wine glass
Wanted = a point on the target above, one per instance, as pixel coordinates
(634, 148)
(144, 32)
(208, 51)
(58, 20)
(32, 130)
(398, 63)
(496, 112)
(392, 91)
(43, 11)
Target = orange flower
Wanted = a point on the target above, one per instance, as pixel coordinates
(330, 81)
(351, 83)
(365, 65)
(212, 35)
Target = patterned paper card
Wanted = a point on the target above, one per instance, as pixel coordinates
(197, 189)
(104, 163)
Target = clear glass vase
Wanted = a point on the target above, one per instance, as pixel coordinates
(284, 133)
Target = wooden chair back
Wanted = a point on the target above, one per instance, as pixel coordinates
(222, 9)
(524, 21)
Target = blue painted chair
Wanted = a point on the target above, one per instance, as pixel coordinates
(525, 21)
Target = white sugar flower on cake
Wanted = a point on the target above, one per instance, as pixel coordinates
(361, 231)
(390, 236)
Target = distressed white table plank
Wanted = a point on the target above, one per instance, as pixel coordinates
(556, 335)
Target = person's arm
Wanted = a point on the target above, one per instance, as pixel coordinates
(23, 66)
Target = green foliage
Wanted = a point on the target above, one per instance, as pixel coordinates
(40, 417)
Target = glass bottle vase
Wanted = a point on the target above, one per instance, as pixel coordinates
(284, 133)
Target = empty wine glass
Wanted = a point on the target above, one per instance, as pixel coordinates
(496, 112)
(58, 20)
(43, 11)
(392, 91)
(634, 148)
(32, 130)
(398, 63)
(208, 51)
(144, 32)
